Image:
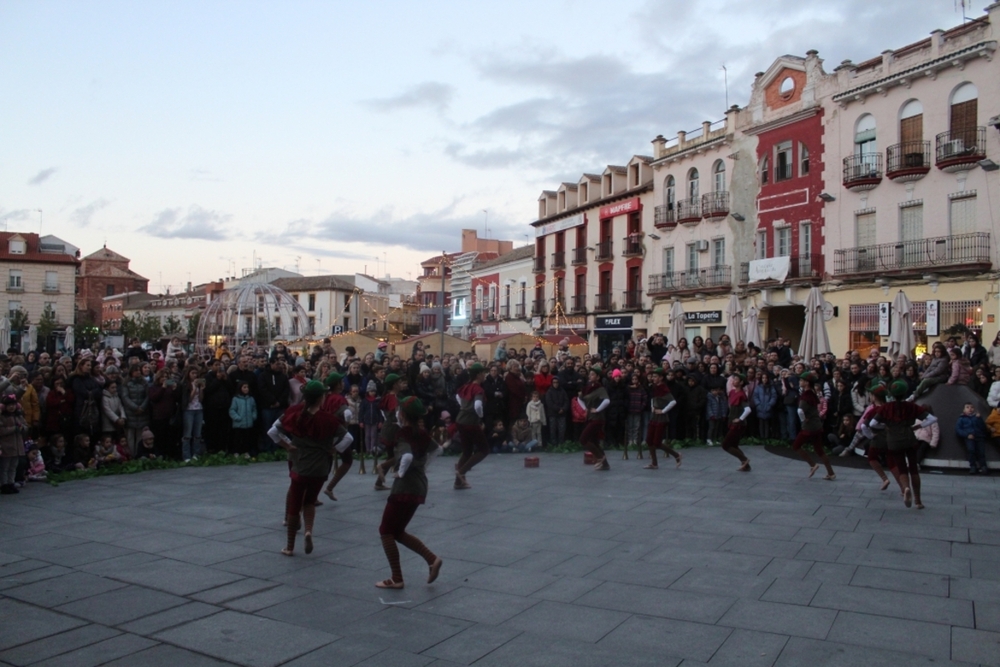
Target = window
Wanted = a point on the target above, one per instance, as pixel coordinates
(668, 260)
(633, 173)
(787, 87)
(15, 279)
(12, 308)
(911, 123)
(718, 253)
(783, 161)
(365, 322)
(347, 303)
(312, 302)
(962, 213)
(692, 253)
(458, 308)
(863, 322)
(491, 304)
(312, 325)
(760, 252)
(964, 113)
(51, 280)
(719, 176)
(803, 160)
(17, 247)
(295, 326)
(864, 137)
(670, 193)
(765, 169)
(607, 185)
(783, 240)
(110, 290)
(805, 249)
(911, 233)
(480, 304)
(693, 184)
(583, 193)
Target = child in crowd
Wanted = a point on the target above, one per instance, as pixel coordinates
(637, 403)
(971, 429)
(536, 416)
(498, 437)
(716, 411)
(147, 445)
(36, 466)
(124, 453)
(243, 413)
(59, 460)
(521, 437)
(370, 419)
(12, 431)
(106, 452)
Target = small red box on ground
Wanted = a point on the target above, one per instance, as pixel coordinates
(588, 458)
(530, 461)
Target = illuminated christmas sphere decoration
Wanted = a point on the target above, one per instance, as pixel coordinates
(257, 313)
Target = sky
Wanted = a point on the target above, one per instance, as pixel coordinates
(337, 137)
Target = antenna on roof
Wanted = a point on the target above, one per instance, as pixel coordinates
(725, 79)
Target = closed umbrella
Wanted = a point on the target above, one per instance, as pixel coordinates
(734, 328)
(901, 340)
(753, 327)
(815, 340)
(4, 335)
(69, 342)
(30, 341)
(676, 323)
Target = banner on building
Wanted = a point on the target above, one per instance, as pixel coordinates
(933, 319)
(620, 208)
(559, 225)
(772, 268)
(884, 326)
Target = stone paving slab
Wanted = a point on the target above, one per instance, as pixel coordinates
(551, 566)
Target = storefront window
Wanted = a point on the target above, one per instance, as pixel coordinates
(864, 328)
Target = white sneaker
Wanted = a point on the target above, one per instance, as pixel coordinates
(710, 443)
(187, 460)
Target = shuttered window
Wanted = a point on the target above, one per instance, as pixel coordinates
(963, 214)
(963, 121)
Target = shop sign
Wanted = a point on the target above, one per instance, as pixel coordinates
(575, 322)
(933, 321)
(613, 323)
(621, 208)
(884, 326)
(488, 330)
(560, 225)
(827, 311)
(772, 268)
(703, 317)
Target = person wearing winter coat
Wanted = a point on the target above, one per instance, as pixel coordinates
(961, 371)
(928, 438)
(971, 430)
(695, 414)
(716, 412)
(937, 372)
(764, 401)
(556, 408)
(112, 411)
(243, 413)
(993, 354)
(217, 429)
(12, 431)
(134, 395)
(162, 409)
(974, 352)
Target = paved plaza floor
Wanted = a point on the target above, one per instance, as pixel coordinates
(553, 566)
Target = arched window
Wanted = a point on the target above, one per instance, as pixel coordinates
(964, 114)
(670, 193)
(693, 184)
(719, 176)
(864, 135)
(765, 170)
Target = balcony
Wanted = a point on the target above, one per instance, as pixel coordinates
(580, 255)
(602, 303)
(504, 312)
(689, 211)
(478, 316)
(604, 250)
(558, 260)
(538, 307)
(559, 305)
(519, 311)
(50, 289)
(959, 150)
(802, 268)
(579, 304)
(539, 266)
(862, 172)
(960, 253)
(665, 217)
(908, 161)
(715, 205)
(632, 245)
(632, 299)
(715, 279)
(11, 287)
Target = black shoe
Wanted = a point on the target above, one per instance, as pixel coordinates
(973, 471)
(984, 470)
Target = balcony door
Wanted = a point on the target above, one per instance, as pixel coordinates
(911, 234)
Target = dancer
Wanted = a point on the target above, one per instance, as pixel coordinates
(878, 446)
(897, 418)
(739, 410)
(389, 406)
(594, 399)
(336, 404)
(312, 432)
(413, 447)
(662, 402)
(812, 426)
(475, 448)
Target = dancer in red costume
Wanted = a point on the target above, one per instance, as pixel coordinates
(661, 403)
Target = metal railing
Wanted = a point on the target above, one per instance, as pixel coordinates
(715, 204)
(559, 259)
(861, 169)
(716, 277)
(632, 299)
(632, 245)
(537, 307)
(908, 157)
(688, 210)
(962, 250)
(504, 312)
(539, 264)
(961, 146)
(602, 303)
(519, 311)
(604, 250)
(579, 303)
(664, 216)
(580, 255)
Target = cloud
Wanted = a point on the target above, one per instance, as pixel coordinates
(81, 217)
(429, 94)
(196, 223)
(203, 175)
(17, 215)
(42, 176)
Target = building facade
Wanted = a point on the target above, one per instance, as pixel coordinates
(102, 274)
(40, 274)
(500, 293)
(337, 304)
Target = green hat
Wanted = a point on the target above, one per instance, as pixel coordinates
(741, 376)
(658, 371)
(476, 368)
(899, 389)
(809, 377)
(877, 390)
(390, 380)
(313, 388)
(412, 408)
(597, 368)
(333, 379)
(875, 384)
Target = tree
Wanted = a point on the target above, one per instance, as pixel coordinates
(144, 327)
(192, 326)
(172, 326)
(48, 323)
(19, 320)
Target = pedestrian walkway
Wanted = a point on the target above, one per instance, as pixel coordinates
(553, 566)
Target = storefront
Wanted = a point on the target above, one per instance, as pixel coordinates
(612, 331)
(704, 323)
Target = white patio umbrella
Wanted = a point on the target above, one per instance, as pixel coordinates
(30, 341)
(815, 340)
(753, 327)
(4, 334)
(676, 331)
(901, 339)
(69, 342)
(734, 328)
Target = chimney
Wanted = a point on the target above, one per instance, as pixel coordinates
(189, 286)
(681, 136)
(937, 41)
(705, 127)
(659, 146)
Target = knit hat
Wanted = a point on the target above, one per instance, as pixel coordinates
(18, 369)
(878, 390)
(383, 345)
(371, 386)
(445, 415)
(412, 408)
(9, 399)
(616, 373)
(809, 377)
(741, 376)
(476, 368)
(424, 367)
(658, 371)
(390, 380)
(112, 370)
(597, 368)
(333, 379)
(436, 366)
(899, 389)
(313, 388)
